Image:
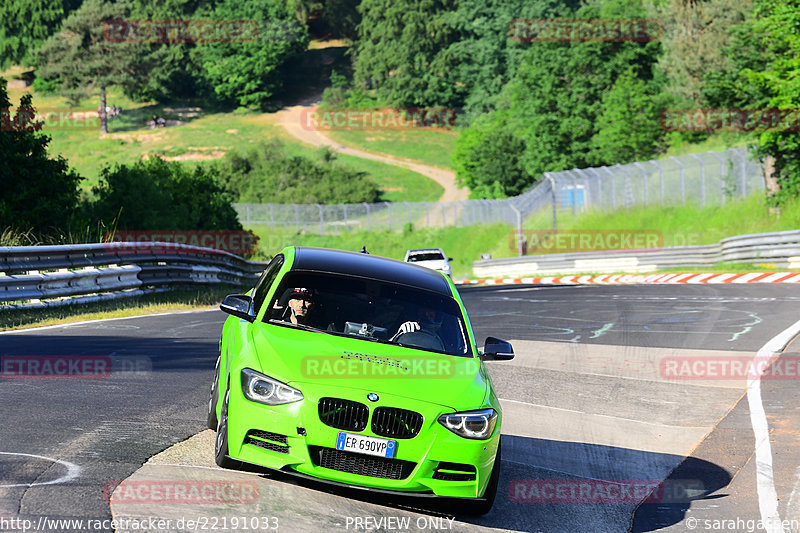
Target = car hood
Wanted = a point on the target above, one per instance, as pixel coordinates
(299, 357)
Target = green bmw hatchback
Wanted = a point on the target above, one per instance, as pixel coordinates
(358, 370)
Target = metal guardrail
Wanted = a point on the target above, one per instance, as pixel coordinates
(43, 276)
(781, 249)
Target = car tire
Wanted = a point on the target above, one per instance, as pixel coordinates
(485, 503)
(211, 419)
(221, 442)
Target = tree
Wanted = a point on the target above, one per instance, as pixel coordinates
(483, 54)
(628, 128)
(487, 158)
(696, 34)
(268, 174)
(25, 24)
(250, 71)
(172, 69)
(162, 195)
(37, 192)
(84, 59)
(777, 27)
(555, 100)
(399, 52)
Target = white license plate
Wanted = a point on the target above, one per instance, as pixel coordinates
(365, 444)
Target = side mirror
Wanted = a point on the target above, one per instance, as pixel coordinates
(497, 350)
(450, 259)
(238, 305)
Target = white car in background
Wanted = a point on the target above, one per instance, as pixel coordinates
(433, 258)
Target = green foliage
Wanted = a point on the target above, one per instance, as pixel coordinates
(483, 56)
(561, 97)
(486, 159)
(162, 195)
(38, 193)
(399, 52)
(25, 24)
(82, 58)
(696, 36)
(268, 174)
(778, 31)
(170, 69)
(249, 72)
(629, 127)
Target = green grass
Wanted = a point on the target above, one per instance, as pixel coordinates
(691, 224)
(429, 146)
(178, 300)
(397, 183)
(464, 245)
(203, 135)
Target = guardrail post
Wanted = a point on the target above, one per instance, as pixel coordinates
(272, 215)
(369, 225)
(321, 220)
(408, 206)
(344, 210)
(389, 206)
(247, 210)
(297, 216)
(702, 180)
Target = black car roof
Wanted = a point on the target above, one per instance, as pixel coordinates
(369, 266)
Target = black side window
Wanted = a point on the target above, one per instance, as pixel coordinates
(264, 284)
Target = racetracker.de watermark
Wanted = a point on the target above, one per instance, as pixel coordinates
(342, 119)
(72, 366)
(352, 365)
(604, 491)
(785, 367)
(55, 367)
(566, 241)
(577, 30)
(52, 119)
(234, 241)
(177, 492)
(734, 120)
(177, 31)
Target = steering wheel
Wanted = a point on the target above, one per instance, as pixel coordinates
(419, 339)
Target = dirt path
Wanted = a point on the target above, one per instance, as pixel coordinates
(290, 119)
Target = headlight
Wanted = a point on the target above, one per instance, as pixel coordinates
(471, 424)
(263, 389)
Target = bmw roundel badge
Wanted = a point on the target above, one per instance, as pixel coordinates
(372, 397)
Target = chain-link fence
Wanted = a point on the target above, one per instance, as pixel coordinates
(706, 179)
(709, 178)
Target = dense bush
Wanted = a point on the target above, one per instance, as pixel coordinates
(268, 174)
(162, 195)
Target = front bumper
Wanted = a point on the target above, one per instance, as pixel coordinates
(435, 461)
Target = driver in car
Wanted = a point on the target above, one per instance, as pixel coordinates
(300, 304)
(427, 320)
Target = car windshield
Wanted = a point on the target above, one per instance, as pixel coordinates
(370, 309)
(427, 256)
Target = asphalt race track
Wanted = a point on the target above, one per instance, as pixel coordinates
(618, 394)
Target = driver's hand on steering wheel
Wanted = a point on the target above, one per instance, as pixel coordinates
(408, 327)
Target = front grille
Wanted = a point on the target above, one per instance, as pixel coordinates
(454, 472)
(357, 463)
(343, 414)
(267, 441)
(396, 423)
